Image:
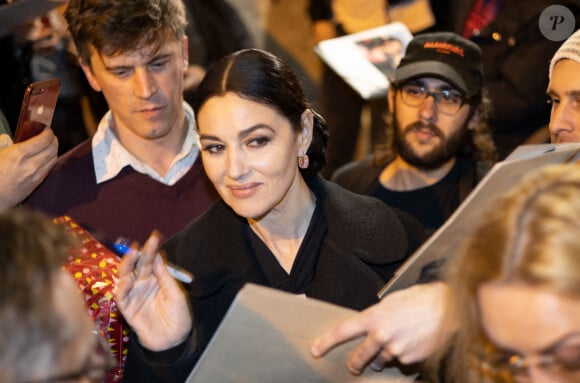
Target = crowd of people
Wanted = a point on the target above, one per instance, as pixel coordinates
(228, 182)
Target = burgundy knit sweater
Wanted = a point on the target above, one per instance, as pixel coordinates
(130, 205)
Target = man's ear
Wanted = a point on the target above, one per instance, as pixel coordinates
(90, 76)
(474, 117)
(185, 53)
(391, 99)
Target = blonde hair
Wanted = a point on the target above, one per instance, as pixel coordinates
(530, 237)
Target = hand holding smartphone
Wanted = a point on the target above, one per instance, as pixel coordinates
(37, 108)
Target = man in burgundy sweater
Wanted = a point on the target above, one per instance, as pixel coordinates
(141, 170)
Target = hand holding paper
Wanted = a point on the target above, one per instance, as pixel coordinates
(151, 300)
(402, 326)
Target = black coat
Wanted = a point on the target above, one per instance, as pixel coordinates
(365, 243)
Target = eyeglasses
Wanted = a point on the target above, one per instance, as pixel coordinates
(95, 369)
(562, 363)
(448, 101)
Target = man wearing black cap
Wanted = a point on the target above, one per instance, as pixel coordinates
(406, 324)
(439, 144)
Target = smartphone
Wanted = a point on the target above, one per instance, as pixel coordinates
(37, 108)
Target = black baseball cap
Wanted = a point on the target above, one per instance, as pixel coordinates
(444, 55)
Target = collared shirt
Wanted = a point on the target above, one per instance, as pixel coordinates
(110, 156)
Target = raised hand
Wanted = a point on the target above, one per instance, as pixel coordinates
(23, 166)
(403, 325)
(151, 301)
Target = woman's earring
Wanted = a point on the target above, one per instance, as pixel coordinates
(303, 161)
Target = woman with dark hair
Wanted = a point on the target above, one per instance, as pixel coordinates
(278, 223)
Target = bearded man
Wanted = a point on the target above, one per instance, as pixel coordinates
(439, 144)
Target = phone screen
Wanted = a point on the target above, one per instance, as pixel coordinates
(37, 108)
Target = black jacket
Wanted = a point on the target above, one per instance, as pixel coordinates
(364, 244)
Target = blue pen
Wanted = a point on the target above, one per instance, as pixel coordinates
(123, 245)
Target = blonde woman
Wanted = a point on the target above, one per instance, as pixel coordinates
(515, 290)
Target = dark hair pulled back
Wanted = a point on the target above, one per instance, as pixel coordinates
(262, 77)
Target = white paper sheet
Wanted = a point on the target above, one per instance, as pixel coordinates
(348, 56)
(266, 336)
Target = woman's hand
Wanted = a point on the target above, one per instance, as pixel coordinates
(151, 301)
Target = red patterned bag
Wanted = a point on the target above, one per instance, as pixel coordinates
(95, 269)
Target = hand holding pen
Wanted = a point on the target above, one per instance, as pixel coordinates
(122, 245)
(151, 300)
